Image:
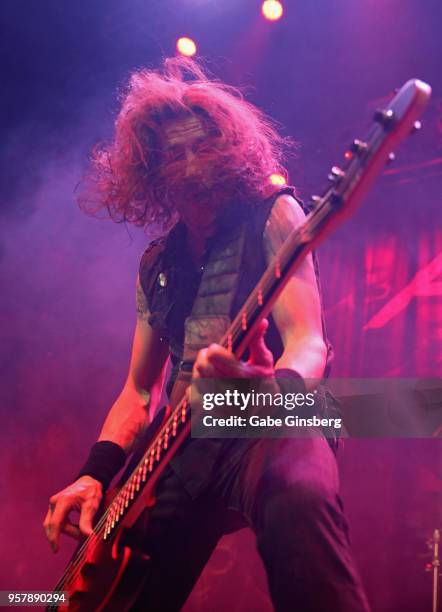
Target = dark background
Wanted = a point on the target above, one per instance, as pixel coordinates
(67, 281)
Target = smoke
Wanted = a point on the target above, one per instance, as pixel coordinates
(67, 311)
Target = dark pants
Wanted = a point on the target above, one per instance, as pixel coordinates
(286, 490)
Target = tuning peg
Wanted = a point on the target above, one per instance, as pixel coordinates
(417, 125)
(336, 174)
(384, 117)
(316, 200)
(358, 146)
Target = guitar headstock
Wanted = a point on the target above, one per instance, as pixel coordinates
(347, 186)
(366, 158)
(406, 105)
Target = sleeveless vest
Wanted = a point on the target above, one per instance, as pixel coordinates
(196, 304)
(176, 289)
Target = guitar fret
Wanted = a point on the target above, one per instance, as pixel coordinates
(244, 321)
(151, 459)
(277, 268)
(230, 343)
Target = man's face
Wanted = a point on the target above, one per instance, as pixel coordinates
(190, 174)
(183, 140)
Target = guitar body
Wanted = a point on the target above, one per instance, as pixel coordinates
(109, 580)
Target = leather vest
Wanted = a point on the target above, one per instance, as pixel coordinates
(177, 292)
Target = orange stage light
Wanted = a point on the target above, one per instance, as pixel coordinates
(277, 179)
(272, 10)
(186, 46)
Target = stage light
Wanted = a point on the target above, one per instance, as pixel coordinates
(272, 10)
(186, 46)
(277, 179)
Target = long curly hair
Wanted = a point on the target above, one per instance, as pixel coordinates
(128, 178)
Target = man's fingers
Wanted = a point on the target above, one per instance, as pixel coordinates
(47, 517)
(46, 522)
(55, 517)
(217, 362)
(224, 364)
(259, 353)
(203, 366)
(71, 530)
(258, 337)
(88, 511)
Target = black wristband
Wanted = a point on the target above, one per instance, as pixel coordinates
(290, 381)
(104, 462)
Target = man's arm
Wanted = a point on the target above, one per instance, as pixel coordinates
(128, 417)
(297, 314)
(297, 311)
(126, 421)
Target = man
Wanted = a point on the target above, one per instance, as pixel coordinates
(193, 158)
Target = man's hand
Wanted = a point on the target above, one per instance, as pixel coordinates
(217, 362)
(84, 495)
